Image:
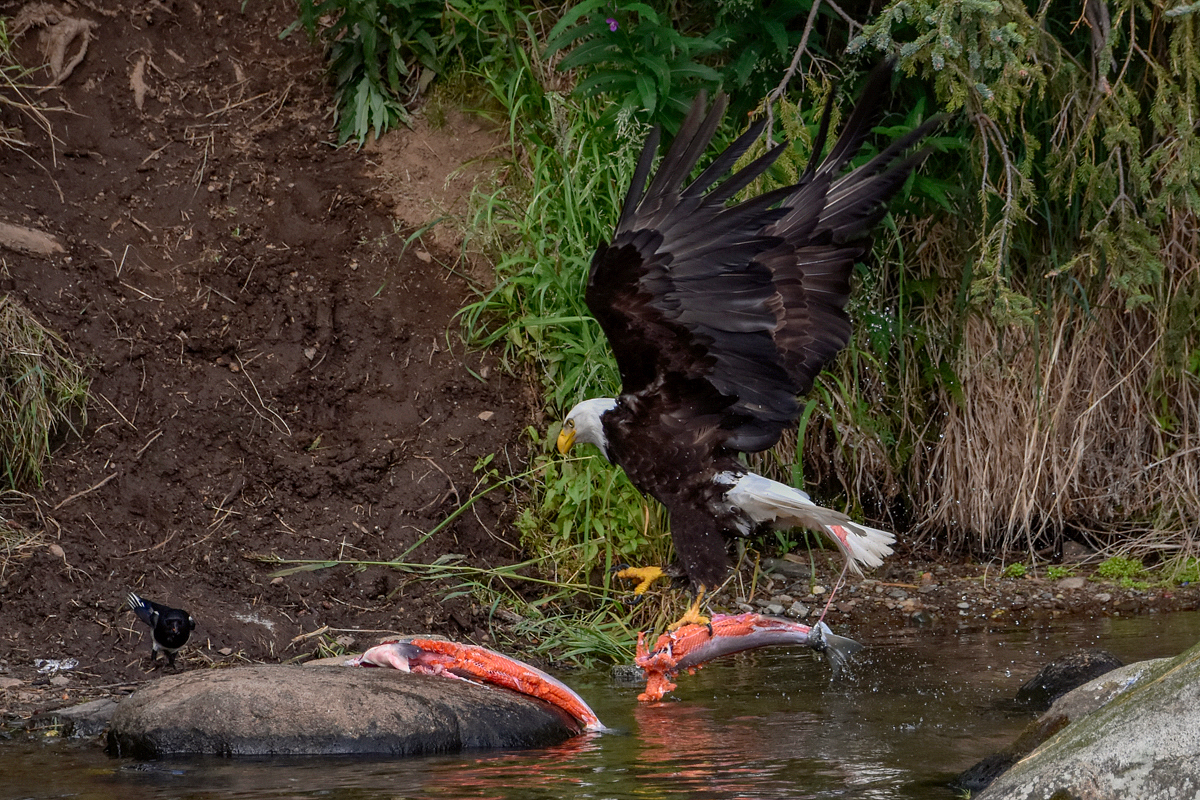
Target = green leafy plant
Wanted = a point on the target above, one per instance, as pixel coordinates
(653, 58)
(380, 53)
(1127, 572)
(567, 177)
(1186, 571)
(384, 53)
(1016, 570)
(588, 511)
(1056, 572)
(634, 53)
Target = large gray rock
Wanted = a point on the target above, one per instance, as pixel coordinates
(292, 710)
(1132, 733)
(1054, 680)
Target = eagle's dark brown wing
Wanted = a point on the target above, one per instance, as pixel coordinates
(729, 311)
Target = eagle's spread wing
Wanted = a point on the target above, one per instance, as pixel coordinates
(732, 310)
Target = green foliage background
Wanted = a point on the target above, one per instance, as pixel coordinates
(1025, 365)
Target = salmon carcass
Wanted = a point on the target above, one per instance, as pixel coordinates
(480, 665)
(689, 647)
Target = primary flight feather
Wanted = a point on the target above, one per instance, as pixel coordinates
(720, 314)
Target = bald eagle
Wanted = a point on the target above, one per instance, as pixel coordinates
(720, 315)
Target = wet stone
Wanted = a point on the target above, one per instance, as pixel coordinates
(1064, 674)
(85, 719)
(627, 675)
(327, 710)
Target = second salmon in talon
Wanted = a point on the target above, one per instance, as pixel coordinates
(474, 663)
(691, 646)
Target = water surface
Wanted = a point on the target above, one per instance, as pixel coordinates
(918, 707)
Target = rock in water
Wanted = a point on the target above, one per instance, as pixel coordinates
(1131, 733)
(1063, 674)
(292, 710)
(1052, 681)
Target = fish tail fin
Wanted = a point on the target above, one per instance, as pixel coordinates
(838, 649)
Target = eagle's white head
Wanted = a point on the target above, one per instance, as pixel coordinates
(583, 425)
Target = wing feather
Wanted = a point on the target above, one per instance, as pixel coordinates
(730, 310)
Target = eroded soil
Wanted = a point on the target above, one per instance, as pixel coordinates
(274, 374)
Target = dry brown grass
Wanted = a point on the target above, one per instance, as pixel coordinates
(1086, 423)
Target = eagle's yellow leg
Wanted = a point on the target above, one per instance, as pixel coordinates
(692, 615)
(644, 575)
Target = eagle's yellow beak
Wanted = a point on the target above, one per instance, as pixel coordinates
(566, 438)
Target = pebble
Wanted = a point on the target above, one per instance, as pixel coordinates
(798, 610)
(897, 594)
(1072, 583)
(774, 609)
(927, 588)
(818, 590)
(964, 605)
(1103, 597)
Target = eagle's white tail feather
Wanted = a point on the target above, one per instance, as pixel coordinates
(781, 505)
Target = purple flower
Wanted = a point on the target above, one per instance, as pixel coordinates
(612, 24)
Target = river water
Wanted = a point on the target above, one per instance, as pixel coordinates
(917, 707)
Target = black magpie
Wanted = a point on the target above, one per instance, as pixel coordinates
(170, 627)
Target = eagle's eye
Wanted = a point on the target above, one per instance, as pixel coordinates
(570, 424)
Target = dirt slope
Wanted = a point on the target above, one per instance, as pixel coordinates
(271, 375)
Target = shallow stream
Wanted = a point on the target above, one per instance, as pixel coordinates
(918, 707)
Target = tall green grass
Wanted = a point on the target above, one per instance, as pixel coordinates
(561, 197)
(43, 395)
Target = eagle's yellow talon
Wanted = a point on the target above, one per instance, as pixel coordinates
(692, 616)
(645, 576)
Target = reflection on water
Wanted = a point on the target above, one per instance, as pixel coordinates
(916, 708)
